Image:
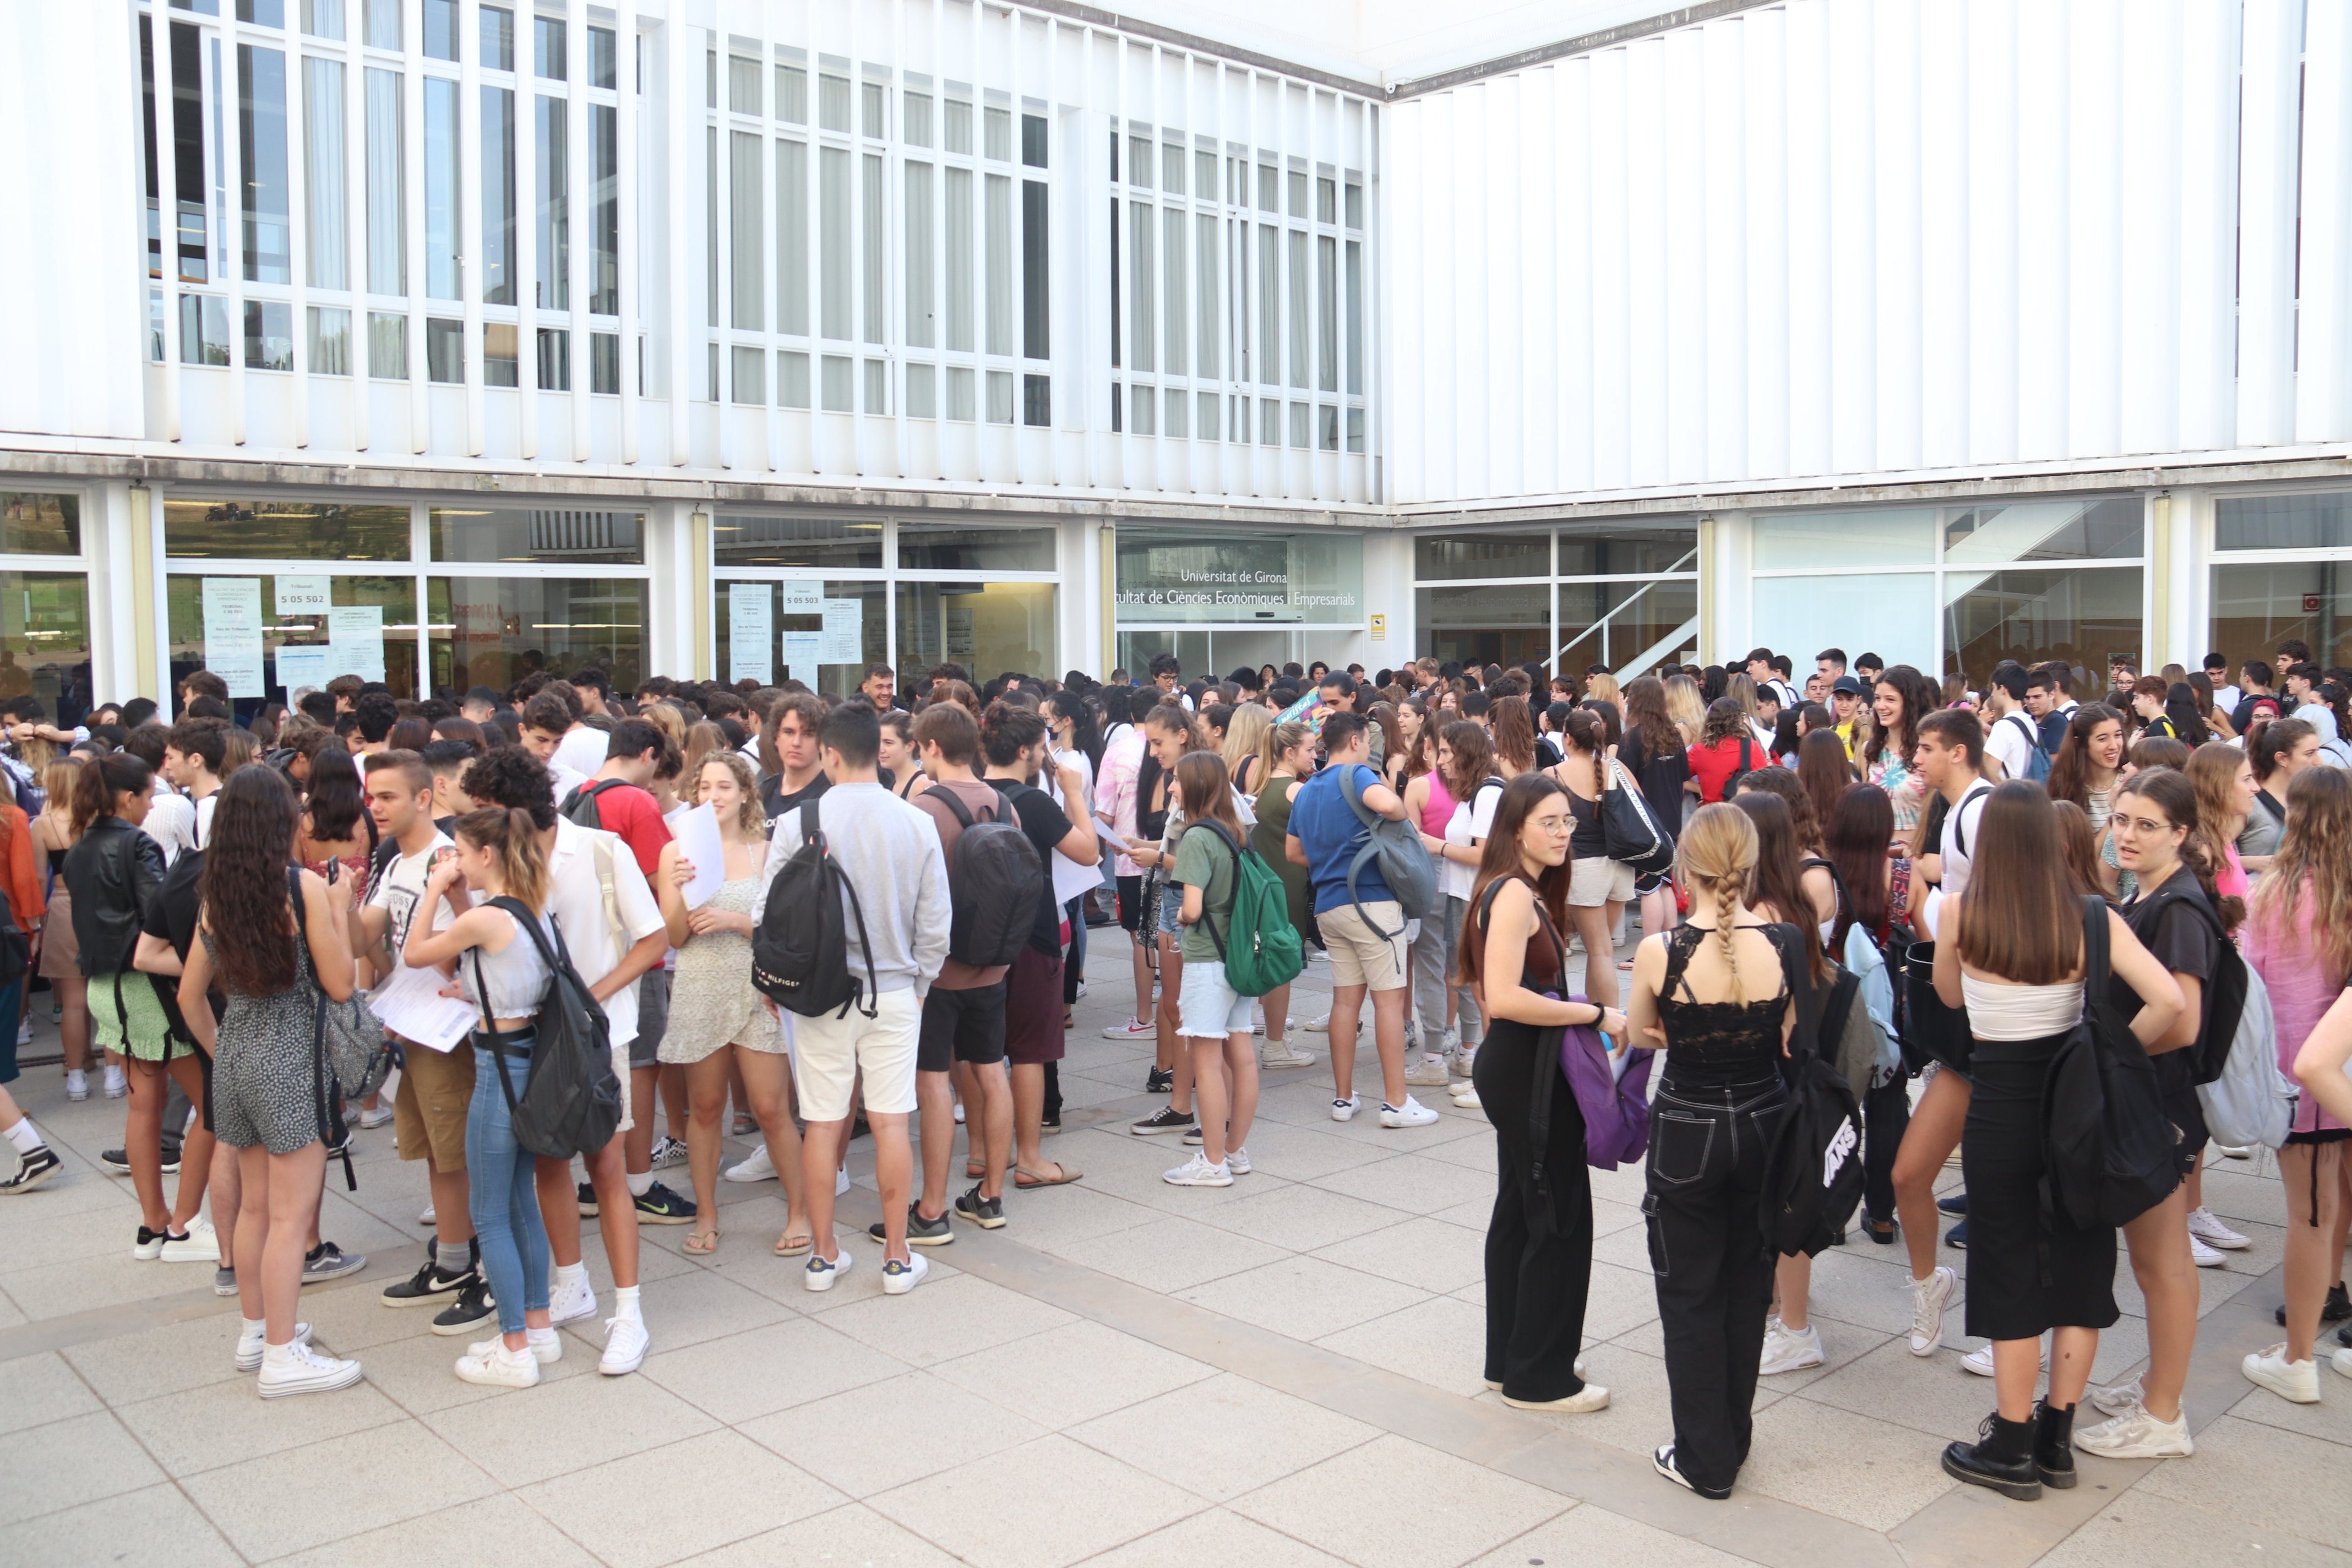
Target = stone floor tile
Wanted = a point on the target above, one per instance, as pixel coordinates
(37, 1389)
(1393, 1504)
(870, 1439)
(2331, 1418)
(1299, 1218)
(1304, 1298)
(1425, 1253)
(1838, 1463)
(133, 1527)
(599, 1418)
(67, 1463)
(2249, 1471)
(162, 1360)
(2149, 1529)
(1412, 1183)
(1618, 1299)
(1303, 1153)
(1075, 1213)
(701, 1304)
(1042, 1505)
(1072, 1374)
(418, 1373)
(227, 1423)
(1440, 1342)
(1592, 1537)
(43, 1236)
(409, 1472)
(354, 1321)
(769, 1369)
(718, 1488)
(1224, 1437)
(1169, 1254)
(940, 1322)
(1212, 1536)
(496, 1529)
(1888, 1384)
(851, 1536)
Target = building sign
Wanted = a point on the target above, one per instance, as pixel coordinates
(1192, 578)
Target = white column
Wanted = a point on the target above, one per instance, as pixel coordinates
(682, 120)
(470, 186)
(628, 44)
(165, 107)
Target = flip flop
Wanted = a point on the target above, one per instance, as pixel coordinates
(702, 1243)
(1063, 1177)
(793, 1246)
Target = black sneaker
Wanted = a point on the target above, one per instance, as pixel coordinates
(327, 1261)
(1050, 1122)
(986, 1213)
(1957, 1236)
(428, 1287)
(1957, 1203)
(660, 1205)
(1167, 1119)
(587, 1201)
(2344, 1335)
(118, 1162)
(2336, 1308)
(1160, 1081)
(38, 1167)
(1663, 1461)
(920, 1232)
(472, 1309)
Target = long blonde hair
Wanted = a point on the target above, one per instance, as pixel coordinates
(523, 859)
(1717, 852)
(1687, 706)
(1279, 739)
(2312, 870)
(1244, 737)
(750, 820)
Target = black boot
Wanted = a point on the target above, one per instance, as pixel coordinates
(2002, 1458)
(2053, 1445)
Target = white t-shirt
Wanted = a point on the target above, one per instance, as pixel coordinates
(205, 819)
(171, 821)
(2008, 742)
(1471, 821)
(582, 751)
(1959, 848)
(401, 887)
(576, 880)
(2226, 699)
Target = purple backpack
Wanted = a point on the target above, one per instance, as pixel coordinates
(1616, 1109)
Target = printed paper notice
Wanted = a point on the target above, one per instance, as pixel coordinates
(310, 665)
(305, 596)
(409, 1004)
(355, 640)
(845, 632)
(751, 633)
(800, 654)
(805, 598)
(232, 633)
(696, 831)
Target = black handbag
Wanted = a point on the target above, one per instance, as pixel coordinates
(1631, 834)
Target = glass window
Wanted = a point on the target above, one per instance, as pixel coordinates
(554, 159)
(1891, 613)
(546, 534)
(32, 524)
(746, 232)
(604, 150)
(604, 58)
(998, 133)
(836, 680)
(963, 400)
(793, 378)
(955, 126)
(1298, 194)
(876, 110)
(1000, 397)
(331, 340)
(2112, 529)
(874, 252)
(2256, 607)
(1176, 411)
(1844, 539)
(387, 347)
(878, 386)
(1355, 204)
(498, 39)
(269, 335)
(440, 29)
(1301, 308)
(497, 270)
(1140, 161)
(274, 530)
(834, 384)
(1355, 430)
(383, 24)
(444, 351)
(792, 95)
(751, 375)
(322, 170)
(833, 244)
(954, 547)
(441, 188)
(605, 363)
(387, 206)
(1036, 319)
(957, 233)
(1619, 548)
(493, 631)
(1209, 428)
(1355, 321)
(2080, 617)
(261, 131)
(922, 322)
(323, 18)
(742, 85)
(916, 118)
(1327, 316)
(1206, 577)
(999, 199)
(45, 634)
(746, 539)
(1629, 627)
(1326, 200)
(791, 238)
(554, 360)
(1142, 333)
(2282, 522)
(1484, 625)
(832, 102)
(1207, 316)
(988, 628)
(1448, 557)
(549, 39)
(922, 392)
(395, 596)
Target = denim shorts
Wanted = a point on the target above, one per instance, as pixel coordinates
(1172, 909)
(1207, 1009)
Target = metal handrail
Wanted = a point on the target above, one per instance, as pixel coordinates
(1631, 600)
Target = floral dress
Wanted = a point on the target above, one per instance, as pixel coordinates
(712, 1002)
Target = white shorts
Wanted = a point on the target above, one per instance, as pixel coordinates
(1594, 881)
(828, 1054)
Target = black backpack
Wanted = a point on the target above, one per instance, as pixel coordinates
(579, 805)
(995, 880)
(570, 1099)
(2225, 988)
(2112, 1153)
(1812, 1180)
(799, 953)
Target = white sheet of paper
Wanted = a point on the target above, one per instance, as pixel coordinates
(696, 828)
(751, 633)
(803, 597)
(308, 664)
(844, 635)
(304, 596)
(355, 640)
(800, 654)
(232, 633)
(1070, 878)
(409, 1003)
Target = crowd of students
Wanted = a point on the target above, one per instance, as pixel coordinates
(1979, 862)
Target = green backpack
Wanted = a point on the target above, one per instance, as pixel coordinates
(1260, 947)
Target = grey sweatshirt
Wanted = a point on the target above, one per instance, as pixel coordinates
(889, 853)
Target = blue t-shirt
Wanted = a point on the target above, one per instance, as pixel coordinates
(1330, 832)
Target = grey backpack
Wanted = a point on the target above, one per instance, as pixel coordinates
(1405, 861)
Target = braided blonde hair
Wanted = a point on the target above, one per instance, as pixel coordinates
(1717, 852)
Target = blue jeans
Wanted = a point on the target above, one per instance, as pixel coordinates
(12, 997)
(502, 1195)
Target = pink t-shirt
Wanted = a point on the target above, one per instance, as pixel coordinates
(2302, 985)
(2230, 881)
(1438, 810)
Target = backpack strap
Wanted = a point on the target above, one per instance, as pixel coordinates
(813, 835)
(1959, 832)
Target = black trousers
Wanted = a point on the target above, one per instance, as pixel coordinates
(1535, 1284)
(1885, 1114)
(1707, 1169)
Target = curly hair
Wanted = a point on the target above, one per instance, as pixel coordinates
(512, 779)
(748, 817)
(336, 799)
(243, 889)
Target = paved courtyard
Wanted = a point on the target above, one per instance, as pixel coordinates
(1281, 1374)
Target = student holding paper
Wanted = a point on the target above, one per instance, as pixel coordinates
(716, 1017)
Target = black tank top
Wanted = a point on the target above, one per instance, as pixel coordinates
(1717, 1042)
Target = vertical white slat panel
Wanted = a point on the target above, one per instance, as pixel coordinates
(1613, 253)
(2043, 228)
(1470, 224)
(1809, 238)
(1853, 235)
(1993, 263)
(579, 201)
(298, 245)
(228, 127)
(682, 137)
(1502, 322)
(1539, 272)
(634, 250)
(1943, 213)
(162, 108)
(2267, 224)
(1646, 199)
(355, 230)
(1764, 168)
(2147, 360)
(471, 274)
(2323, 397)
(1723, 45)
(1406, 129)
(1896, 180)
(2094, 206)
(1685, 110)
(1443, 261)
(1576, 304)
(2208, 229)
(525, 262)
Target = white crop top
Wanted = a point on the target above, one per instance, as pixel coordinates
(2000, 1011)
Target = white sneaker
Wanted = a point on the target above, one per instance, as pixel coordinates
(2203, 1255)
(295, 1368)
(840, 1180)
(1466, 1097)
(570, 1303)
(77, 1085)
(757, 1167)
(626, 1344)
(1237, 1161)
(545, 1344)
(1449, 1045)
(426, 1217)
(253, 1344)
(820, 1274)
(2342, 1362)
(1279, 1054)
(117, 1086)
(1412, 1113)
(2295, 1381)
(2204, 1227)
(1790, 1350)
(1197, 1171)
(899, 1277)
(959, 1113)
(1583, 1402)
(1345, 1109)
(1928, 1299)
(1429, 1072)
(372, 1119)
(2232, 1152)
(1133, 1030)
(2118, 1399)
(1979, 1359)
(200, 1245)
(2138, 1436)
(501, 1368)
(1318, 1026)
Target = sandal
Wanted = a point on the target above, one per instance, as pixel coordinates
(790, 1246)
(1025, 1180)
(702, 1243)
